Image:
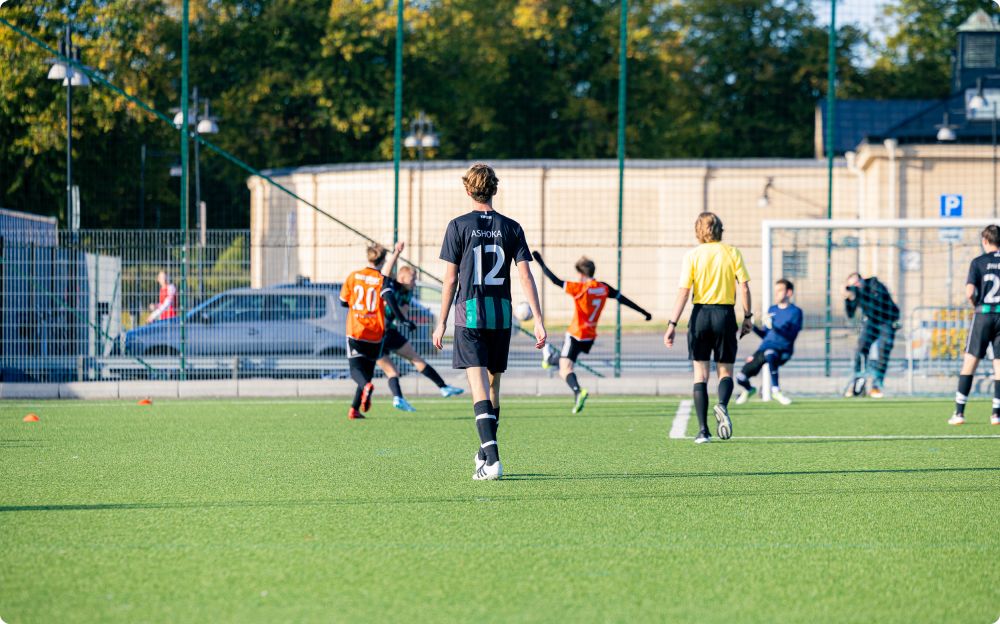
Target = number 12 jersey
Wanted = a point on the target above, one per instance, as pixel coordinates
(483, 245)
(984, 274)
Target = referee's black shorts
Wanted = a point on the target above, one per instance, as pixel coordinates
(712, 334)
(481, 347)
(985, 331)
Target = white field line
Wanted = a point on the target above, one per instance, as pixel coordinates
(679, 427)
(859, 437)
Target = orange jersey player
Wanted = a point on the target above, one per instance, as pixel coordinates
(363, 294)
(589, 300)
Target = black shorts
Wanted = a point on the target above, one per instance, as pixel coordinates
(363, 349)
(393, 341)
(481, 347)
(573, 347)
(985, 331)
(712, 334)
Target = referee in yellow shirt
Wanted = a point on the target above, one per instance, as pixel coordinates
(710, 274)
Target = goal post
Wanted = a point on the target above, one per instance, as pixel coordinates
(922, 263)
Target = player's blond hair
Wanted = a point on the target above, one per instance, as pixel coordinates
(481, 182)
(405, 270)
(708, 228)
(376, 254)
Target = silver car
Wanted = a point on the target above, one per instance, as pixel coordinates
(250, 321)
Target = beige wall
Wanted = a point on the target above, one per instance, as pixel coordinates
(569, 208)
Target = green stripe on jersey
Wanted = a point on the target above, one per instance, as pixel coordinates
(505, 307)
(491, 313)
(471, 316)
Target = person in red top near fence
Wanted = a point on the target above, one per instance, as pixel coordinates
(363, 294)
(168, 299)
(589, 297)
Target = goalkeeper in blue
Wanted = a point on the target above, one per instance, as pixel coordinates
(781, 327)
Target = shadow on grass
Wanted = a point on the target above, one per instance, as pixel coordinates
(505, 497)
(775, 473)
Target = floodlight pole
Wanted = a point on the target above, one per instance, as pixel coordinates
(622, 76)
(831, 100)
(397, 131)
(69, 124)
(182, 291)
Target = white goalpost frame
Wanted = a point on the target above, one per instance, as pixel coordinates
(768, 226)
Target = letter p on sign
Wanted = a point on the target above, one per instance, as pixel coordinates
(951, 206)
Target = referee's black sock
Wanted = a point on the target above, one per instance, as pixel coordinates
(485, 423)
(573, 384)
(356, 403)
(432, 374)
(394, 386)
(996, 397)
(701, 406)
(725, 391)
(964, 388)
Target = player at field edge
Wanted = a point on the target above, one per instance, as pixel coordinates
(982, 288)
(478, 250)
(781, 328)
(588, 296)
(710, 274)
(881, 320)
(366, 293)
(396, 342)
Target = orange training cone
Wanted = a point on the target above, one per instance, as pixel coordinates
(31, 417)
(145, 402)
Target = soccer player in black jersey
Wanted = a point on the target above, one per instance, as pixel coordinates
(397, 342)
(478, 250)
(983, 290)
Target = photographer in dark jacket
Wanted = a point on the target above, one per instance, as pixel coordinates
(880, 322)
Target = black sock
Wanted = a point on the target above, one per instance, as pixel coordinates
(573, 384)
(494, 411)
(725, 391)
(964, 389)
(744, 381)
(357, 397)
(432, 374)
(485, 423)
(394, 386)
(701, 406)
(996, 397)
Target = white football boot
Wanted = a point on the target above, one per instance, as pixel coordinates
(725, 429)
(488, 472)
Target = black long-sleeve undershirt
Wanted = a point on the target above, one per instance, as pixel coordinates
(548, 273)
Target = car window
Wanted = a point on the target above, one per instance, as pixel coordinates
(294, 307)
(235, 309)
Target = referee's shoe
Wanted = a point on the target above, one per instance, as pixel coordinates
(725, 429)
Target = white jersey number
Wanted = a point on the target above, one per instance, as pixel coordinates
(491, 277)
(363, 299)
(993, 295)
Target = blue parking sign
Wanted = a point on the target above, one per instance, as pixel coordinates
(951, 206)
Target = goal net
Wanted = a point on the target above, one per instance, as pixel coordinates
(916, 313)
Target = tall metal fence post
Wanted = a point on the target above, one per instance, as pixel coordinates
(182, 291)
(831, 100)
(397, 131)
(622, 76)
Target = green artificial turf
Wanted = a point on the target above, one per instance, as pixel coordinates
(284, 511)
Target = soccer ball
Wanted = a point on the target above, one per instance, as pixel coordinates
(523, 311)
